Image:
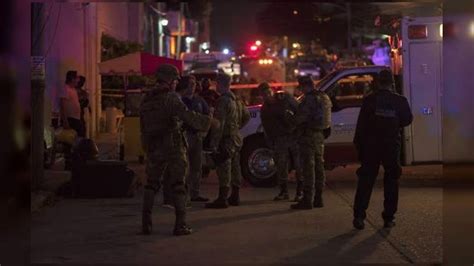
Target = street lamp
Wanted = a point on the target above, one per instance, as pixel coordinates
(164, 22)
(225, 51)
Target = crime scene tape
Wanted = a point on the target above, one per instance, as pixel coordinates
(119, 93)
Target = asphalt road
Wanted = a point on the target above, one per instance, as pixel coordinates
(260, 232)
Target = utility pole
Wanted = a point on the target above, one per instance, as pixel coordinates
(37, 95)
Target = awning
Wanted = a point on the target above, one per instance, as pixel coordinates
(139, 63)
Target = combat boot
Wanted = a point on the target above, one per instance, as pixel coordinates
(234, 199)
(221, 201)
(283, 195)
(304, 204)
(388, 224)
(358, 223)
(148, 199)
(318, 198)
(299, 191)
(180, 227)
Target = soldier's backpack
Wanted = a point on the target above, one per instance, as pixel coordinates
(324, 111)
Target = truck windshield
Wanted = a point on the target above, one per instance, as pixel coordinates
(326, 79)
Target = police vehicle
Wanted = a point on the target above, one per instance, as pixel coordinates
(346, 89)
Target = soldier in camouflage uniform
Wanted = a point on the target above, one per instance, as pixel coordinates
(312, 120)
(195, 103)
(276, 114)
(165, 145)
(226, 142)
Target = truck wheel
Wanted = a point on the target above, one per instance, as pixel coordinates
(256, 160)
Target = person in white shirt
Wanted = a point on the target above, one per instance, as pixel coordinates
(70, 107)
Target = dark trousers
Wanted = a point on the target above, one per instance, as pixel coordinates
(78, 126)
(193, 177)
(388, 155)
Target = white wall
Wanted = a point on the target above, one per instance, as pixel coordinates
(63, 46)
(113, 19)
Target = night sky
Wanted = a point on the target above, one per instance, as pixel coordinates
(233, 24)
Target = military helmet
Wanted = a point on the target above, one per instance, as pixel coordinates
(223, 78)
(167, 73)
(305, 81)
(263, 87)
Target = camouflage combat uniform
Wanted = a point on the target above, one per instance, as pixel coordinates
(312, 119)
(279, 135)
(227, 141)
(161, 113)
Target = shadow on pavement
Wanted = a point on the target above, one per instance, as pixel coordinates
(339, 250)
(203, 223)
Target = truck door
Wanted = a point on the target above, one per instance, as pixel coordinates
(425, 73)
(346, 95)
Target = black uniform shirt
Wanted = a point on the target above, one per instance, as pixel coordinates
(381, 117)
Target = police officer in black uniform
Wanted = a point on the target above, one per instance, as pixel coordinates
(377, 139)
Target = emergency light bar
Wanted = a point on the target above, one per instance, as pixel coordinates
(265, 61)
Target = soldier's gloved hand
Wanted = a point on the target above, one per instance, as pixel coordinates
(327, 132)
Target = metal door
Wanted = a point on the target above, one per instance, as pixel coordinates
(425, 73)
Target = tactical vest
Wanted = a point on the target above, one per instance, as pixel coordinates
(154, 116)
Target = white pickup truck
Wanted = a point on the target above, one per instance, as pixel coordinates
(346, 88)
